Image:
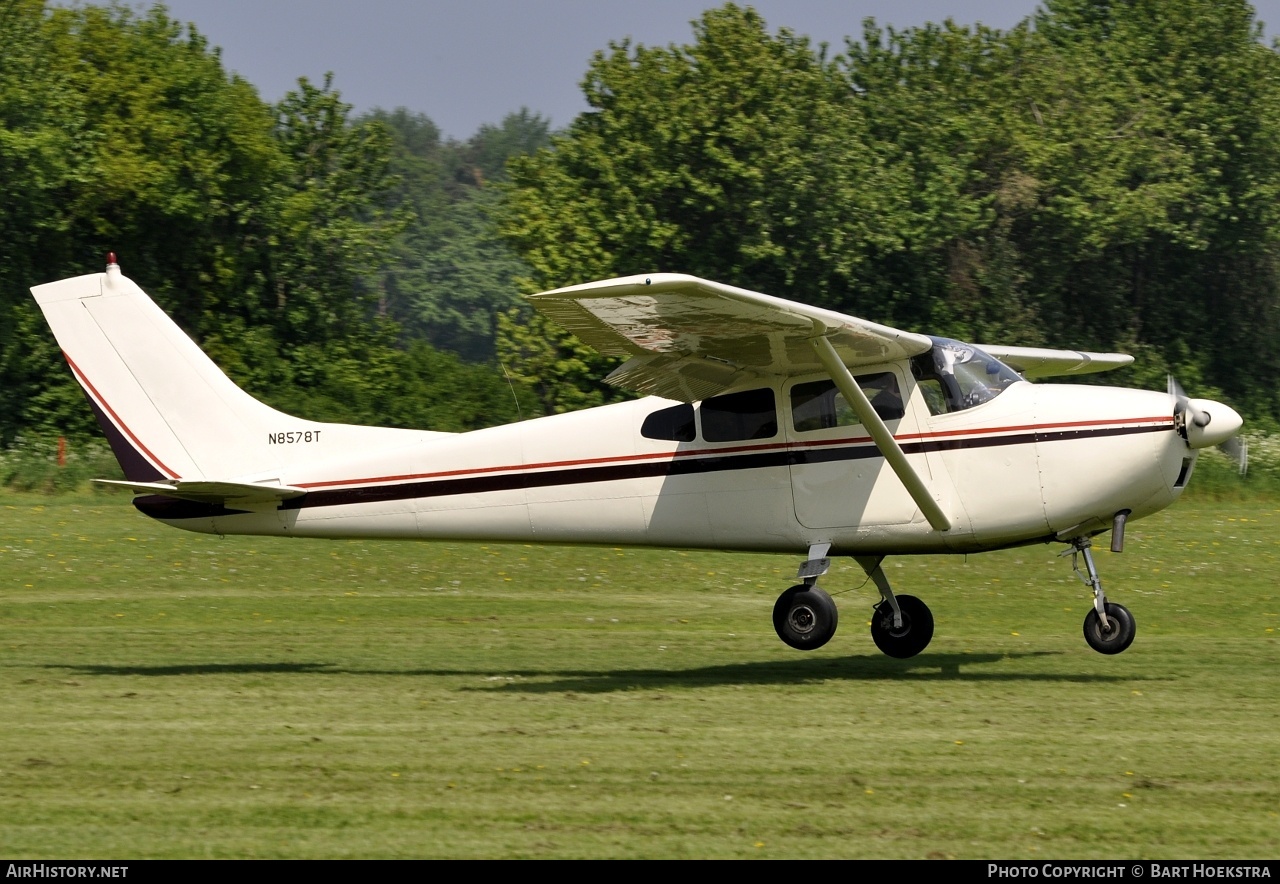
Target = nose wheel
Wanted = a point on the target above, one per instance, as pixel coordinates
(1109, 628)
(1113, 637)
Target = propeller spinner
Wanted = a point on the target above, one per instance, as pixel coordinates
(1204, 422)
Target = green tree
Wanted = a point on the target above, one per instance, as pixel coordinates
(334, 229)
(1103, 176)
(720, 158)
(732, 158)
(1156, 142)
(259, 229)
(451, 273)
(131, 138)
(486, 154)
(932, 111)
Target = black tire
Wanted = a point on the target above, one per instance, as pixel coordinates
(912, 637)
(1113, 640)
(805, 617)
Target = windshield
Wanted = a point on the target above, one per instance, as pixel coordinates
(954, 376)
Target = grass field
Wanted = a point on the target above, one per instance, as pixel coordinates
(165, 694)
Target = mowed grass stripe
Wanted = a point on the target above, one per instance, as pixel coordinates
(164, 694)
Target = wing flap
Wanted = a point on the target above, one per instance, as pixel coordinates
(684, 378)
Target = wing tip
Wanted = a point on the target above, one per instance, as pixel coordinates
(635, 284)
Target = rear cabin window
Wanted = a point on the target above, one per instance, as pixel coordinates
(750, 414)
(818, 405)
(674, 424)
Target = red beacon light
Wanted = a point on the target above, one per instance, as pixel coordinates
(111, 258)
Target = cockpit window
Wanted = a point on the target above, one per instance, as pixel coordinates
(954, 376)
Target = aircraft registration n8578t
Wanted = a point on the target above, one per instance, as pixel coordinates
(767, 425)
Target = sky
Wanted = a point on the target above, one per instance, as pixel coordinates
(464, 63)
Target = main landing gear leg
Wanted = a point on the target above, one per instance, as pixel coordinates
(901, 626)
(1109, 628)
(804, 616)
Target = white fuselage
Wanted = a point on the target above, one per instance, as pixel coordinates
(1031, 463)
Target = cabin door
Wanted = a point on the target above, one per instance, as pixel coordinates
(839, 478)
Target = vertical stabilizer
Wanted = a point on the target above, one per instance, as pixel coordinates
(168, 411)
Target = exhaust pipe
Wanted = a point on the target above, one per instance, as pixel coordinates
(1117, 530)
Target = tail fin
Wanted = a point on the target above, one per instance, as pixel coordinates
(168, 411)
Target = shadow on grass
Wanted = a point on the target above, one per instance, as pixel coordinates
(204, 669)
(931, 667)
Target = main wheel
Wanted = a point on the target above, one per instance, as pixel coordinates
(909, 639)
(805, 617)
(1117, 637)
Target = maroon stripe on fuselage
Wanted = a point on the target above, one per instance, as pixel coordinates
(710, 462)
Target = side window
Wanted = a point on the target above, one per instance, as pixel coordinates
(674, 424)
(940, 391)
(751, 414)
(818, 405)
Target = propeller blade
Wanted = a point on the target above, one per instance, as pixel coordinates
(1238, 450)
(1186, 411)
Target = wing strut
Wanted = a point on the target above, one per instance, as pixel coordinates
(880, 434)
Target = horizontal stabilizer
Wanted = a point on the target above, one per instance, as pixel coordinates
(211, 492)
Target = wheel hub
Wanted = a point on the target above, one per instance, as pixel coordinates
(802, 619)
(886, 623)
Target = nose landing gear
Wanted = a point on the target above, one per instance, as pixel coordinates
(1109, 628)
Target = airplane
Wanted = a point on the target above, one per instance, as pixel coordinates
(765, 425)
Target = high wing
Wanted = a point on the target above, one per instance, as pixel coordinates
(690, 338)
(1038, 362)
